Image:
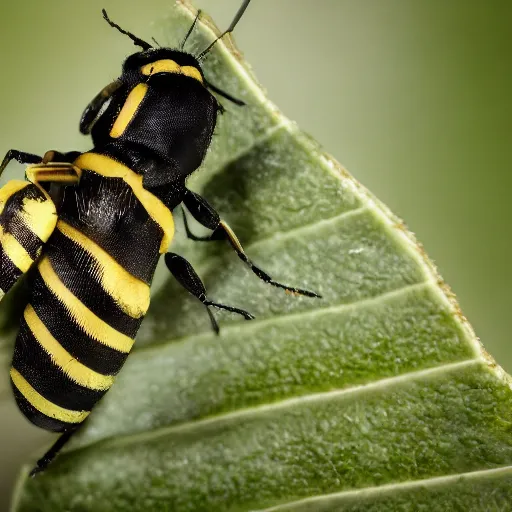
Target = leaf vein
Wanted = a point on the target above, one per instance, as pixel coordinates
(305, 228)
(389, 488)
(244, 326)
(224, 419)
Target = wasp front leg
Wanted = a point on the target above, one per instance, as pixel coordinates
(209, 218)
(19, 156)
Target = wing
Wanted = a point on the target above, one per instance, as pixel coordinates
(27, 219)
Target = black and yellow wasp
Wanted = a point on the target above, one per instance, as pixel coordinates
(93, 248)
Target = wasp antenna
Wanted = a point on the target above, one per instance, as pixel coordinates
(136, 41)
(190, 29)
(231, 27)
(156, 42)
(224, 94)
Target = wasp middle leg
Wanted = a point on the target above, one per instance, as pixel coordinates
(184, 273)
(209, 218)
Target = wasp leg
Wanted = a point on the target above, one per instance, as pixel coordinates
(19, 156)
(45, 460)
(209, 218)
(191, 235)
(226, 95)
(92, 110)
(182, 270)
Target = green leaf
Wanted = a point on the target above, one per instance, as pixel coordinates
(376, 397)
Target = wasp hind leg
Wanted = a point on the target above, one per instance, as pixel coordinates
(183, 272)
(209, 218)
(48, 457)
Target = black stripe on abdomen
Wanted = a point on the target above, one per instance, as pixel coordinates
(9, 272)
(36, 366)
(38, 418)
(63, 327)
(29, 240)
(78, 271)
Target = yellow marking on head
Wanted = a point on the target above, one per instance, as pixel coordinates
(169, 66)
(130, 106)
(91, 324)
(192, 72)
(72, 368)
(15, 251)
(160, 66)
(39, 216)
(131, 294)
(10, 188)
(106, 166)
(43, 405)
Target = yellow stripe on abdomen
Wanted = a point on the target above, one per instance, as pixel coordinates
(75, 370)
(109, 168)
(91, 324)
(131, 294)
(15, 251)
(43, 405)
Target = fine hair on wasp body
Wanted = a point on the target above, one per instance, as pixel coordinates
(93, 251)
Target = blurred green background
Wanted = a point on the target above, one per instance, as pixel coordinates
(413, 97)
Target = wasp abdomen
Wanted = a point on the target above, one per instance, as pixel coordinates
(90, 293)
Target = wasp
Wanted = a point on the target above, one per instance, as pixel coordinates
(93, 249)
